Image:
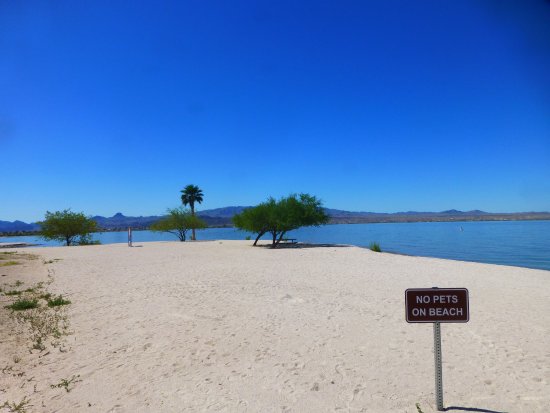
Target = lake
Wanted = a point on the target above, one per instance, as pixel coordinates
(519, 243)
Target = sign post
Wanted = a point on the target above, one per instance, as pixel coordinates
(438, 367)
(437, 305)
(130, 237)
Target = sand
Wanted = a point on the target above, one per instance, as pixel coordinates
(224, 327)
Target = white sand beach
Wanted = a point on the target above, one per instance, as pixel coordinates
(224, 327)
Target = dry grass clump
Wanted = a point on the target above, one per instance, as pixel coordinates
(23, 304)
(39, 315)
(66, 383)
(36, 316)
(9, 263)
(14, 255)
(43, 319)
(20, 407)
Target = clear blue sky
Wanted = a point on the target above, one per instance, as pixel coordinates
(376, 106)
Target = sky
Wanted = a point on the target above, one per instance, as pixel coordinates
(380, 106)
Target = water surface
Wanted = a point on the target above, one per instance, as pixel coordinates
(519, 243)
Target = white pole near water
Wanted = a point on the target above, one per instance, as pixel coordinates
(130, 237)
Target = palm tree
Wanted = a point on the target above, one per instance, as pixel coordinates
(189, 195)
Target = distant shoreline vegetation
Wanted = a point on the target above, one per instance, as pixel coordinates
(374, 219)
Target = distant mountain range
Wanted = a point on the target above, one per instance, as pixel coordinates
(15, 226)
(221, 217)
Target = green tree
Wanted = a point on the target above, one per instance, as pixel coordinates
(279, 217)
(258, 219)
(66, 226)
(178, 222)
(189, 195)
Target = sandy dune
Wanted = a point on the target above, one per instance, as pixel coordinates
(221, 326)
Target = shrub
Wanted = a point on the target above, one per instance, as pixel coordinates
(374, 246)
(23, 304)
(87, 240)
(45, 296)
(57, 301)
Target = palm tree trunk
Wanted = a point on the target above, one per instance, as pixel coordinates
(192, 205)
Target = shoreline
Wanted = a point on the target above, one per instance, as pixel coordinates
(304, 244)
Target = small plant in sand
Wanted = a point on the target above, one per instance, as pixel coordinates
(11, 255)
(20, 407)
(418, 409)
(6, 369)
(4, 255)
(13, 292)
(374, 246)
(23, 304)
(65, 384)
(58, 301)
(43, 323)
(42, 319)
(9, 263)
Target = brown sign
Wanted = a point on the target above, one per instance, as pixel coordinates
(431, 305)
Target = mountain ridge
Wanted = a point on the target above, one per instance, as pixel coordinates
(222, 217)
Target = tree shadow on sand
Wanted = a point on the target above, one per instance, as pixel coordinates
(300, 245)
(471, 409)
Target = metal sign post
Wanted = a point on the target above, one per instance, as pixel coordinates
(437, 305)
(130, 236)
(438, 367)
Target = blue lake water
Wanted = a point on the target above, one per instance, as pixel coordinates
(519, 243)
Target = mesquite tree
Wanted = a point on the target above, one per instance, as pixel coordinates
(178, 222)
(279, 217)
(68, 227)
